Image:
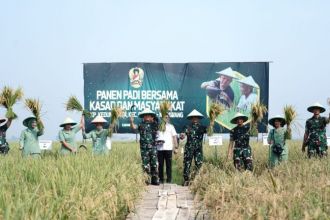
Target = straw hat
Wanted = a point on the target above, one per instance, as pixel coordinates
(249, 81)
(3, 121)
(277, 117)
(26, 121)
(314, 106)
(147, 111)
(68, 121)
(227, 72)
(195, 113)
(99, 119)
(238, 116)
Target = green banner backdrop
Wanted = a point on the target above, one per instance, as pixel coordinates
(187, 85)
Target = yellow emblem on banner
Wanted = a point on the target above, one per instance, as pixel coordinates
(136, 75)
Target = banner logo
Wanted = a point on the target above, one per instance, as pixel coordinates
(136, 75)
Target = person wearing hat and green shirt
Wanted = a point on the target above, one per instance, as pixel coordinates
(29, 140)
(315, 132)
(4, 125)
(148, 129)
(219, 90)
(277, 136)
(194, 145)
(248, 97)
(239, 144)
(99, 136)
(67, 135)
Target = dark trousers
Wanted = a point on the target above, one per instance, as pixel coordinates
(165, 155)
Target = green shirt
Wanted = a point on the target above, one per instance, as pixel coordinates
(69, 138)
(99, 139)
(29, 141)
(278, 136)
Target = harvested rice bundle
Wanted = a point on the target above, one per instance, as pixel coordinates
(35, 107)
(165, 107)
(215, 110)
(290, 115)
(8, 98)
(116, 113)
(258, 110)
(73, 104)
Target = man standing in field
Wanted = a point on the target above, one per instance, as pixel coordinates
(148, 129)
(239, 145)
(194, 146)
(315, 132)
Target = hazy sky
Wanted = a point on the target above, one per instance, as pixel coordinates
(44, 43)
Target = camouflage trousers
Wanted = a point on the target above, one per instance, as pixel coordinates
(317, 149)
(150, 161)
(190, 153)
(243, 158)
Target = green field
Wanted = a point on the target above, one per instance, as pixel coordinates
(105, 187)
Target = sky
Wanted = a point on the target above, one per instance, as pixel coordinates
(44, 43)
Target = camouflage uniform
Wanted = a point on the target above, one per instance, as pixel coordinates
(317, 139)
(4, 147)
(242, 151)
(148, 134)
(193, 148)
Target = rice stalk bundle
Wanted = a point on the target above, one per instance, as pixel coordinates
(34, 106)
(116, 113)
(215, 110)
(73, 104)
(8, 98)
(290, 115)
(258, 110)
(165, 106)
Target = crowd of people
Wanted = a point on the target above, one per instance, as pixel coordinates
(157, 147)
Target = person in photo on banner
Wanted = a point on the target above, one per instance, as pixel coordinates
(239, 144)
(219, 90)
(315, 138)
(248, 97)
(29, 140)
(148, 130)
(194, 145)
(166, 142)
(277, 141)
(4, 125)
(68, 134)
(99, 136)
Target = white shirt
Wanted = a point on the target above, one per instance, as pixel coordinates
(246, 102)
(167, 137)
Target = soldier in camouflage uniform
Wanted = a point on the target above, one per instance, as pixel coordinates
(148, 129)
(239, 143)
(194, 146)
(315, 132)
(4, 125)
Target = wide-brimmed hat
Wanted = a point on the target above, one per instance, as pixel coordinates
(68, 121)
(277, 117)
(3, 121)
(227, 72)
(249, 81)
(147, 111)
(99, 119)
(238, 116)
(195, 113)
(26, 121)
(314, 106)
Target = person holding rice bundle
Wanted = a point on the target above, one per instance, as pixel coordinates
(4, 125)
(29, 140)
(99, 136)
(239, 145)
(194, 145)
(67, 135)
(148, 129)
(315, 132)
(277, 141)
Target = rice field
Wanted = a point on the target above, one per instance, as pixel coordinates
(105, 187)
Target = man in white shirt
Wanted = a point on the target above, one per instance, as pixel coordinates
(248, 96)
(167, 141)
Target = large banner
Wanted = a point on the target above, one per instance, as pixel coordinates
(135, 86)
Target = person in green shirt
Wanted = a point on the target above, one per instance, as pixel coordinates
(277, 136)
(99, 136)
(67, 135)
(29, 143)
